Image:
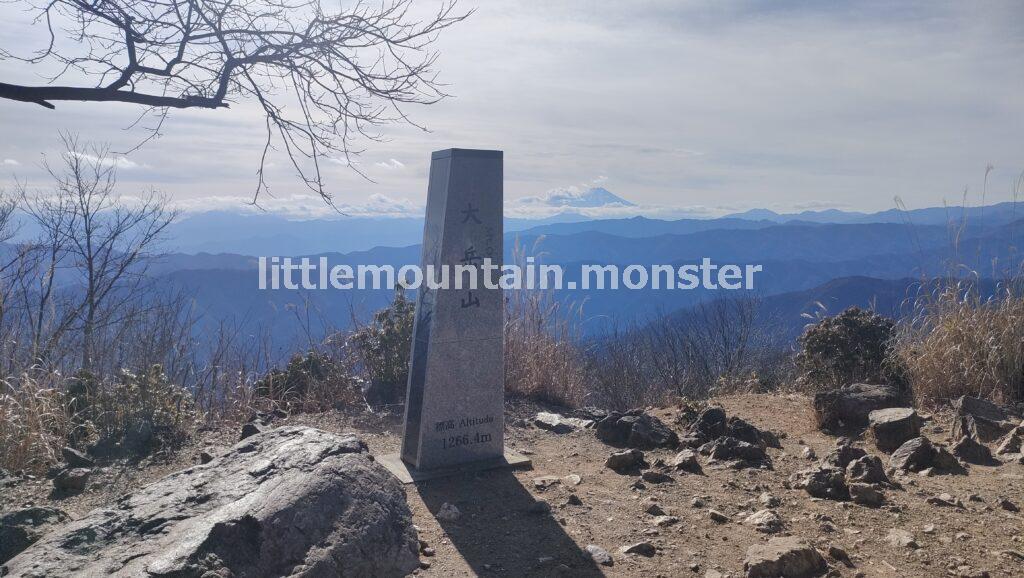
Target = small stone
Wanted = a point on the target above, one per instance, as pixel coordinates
(573, 479)
(558, 424)
(664, 521)
(205, 457)
(901, 539)
(545, 482)
(765, 521)
(573, 500)
(717, 517)
(654, 509)
(945, 500)
(250, 429)
(698, 502)
(808, 453)
(840, 555)
(825, 482)
(769, 501)
(599, 555)
(866, 470)
(76, 459)
(625, 460)
(642, 548)
(686, 461)
(655, 477)
(540, 507)
(1011, 444)
(929, 529)
(448, 512)
(866, 495)
(1008, 505)
(71, 480)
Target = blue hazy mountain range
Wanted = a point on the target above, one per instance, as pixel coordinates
(275, 234)
(840, 257)
(800, 259)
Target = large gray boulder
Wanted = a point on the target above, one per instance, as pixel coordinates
(292, 501)
(21, 528)
(848, 407)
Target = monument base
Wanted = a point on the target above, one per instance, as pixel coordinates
(408, 474)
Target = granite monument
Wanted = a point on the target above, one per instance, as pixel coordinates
(454, 412)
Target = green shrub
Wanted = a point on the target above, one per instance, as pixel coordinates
(383, 346)
(136, 413)
(311, 382)
(851, 347)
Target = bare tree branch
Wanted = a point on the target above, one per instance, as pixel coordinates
(322, 77)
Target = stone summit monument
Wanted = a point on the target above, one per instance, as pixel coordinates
(454, 409)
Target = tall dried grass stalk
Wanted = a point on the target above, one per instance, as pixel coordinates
(960, 343)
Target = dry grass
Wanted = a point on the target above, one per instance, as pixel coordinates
(34, 424)
(958, 343)
(542, 361)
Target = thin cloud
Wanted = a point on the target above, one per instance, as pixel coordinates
(11, 163)
(391, 164)
(119, 162)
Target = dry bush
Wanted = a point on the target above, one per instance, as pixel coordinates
(724, 345)
(315, 381)
(959, 343)
(130, 414)
(34, 424)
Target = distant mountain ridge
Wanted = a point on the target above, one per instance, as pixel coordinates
(1000, 213)
(273, 234)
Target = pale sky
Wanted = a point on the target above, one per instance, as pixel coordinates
(702, 107)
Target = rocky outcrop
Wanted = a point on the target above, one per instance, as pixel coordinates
(21, 528)
(848, 407)
(292, 501)
(824, 481)
(847, 473)
(736, 454)
(1012, 444)
(981, 420)
(636, 429)
(866, 470)
(920, 454)
(969, 450)
(893, 426)
(712, 423)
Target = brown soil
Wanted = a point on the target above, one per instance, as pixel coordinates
(501, 531)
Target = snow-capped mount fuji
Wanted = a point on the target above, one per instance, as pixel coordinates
(577, 198)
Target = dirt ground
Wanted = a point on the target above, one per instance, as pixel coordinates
(502, 531)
